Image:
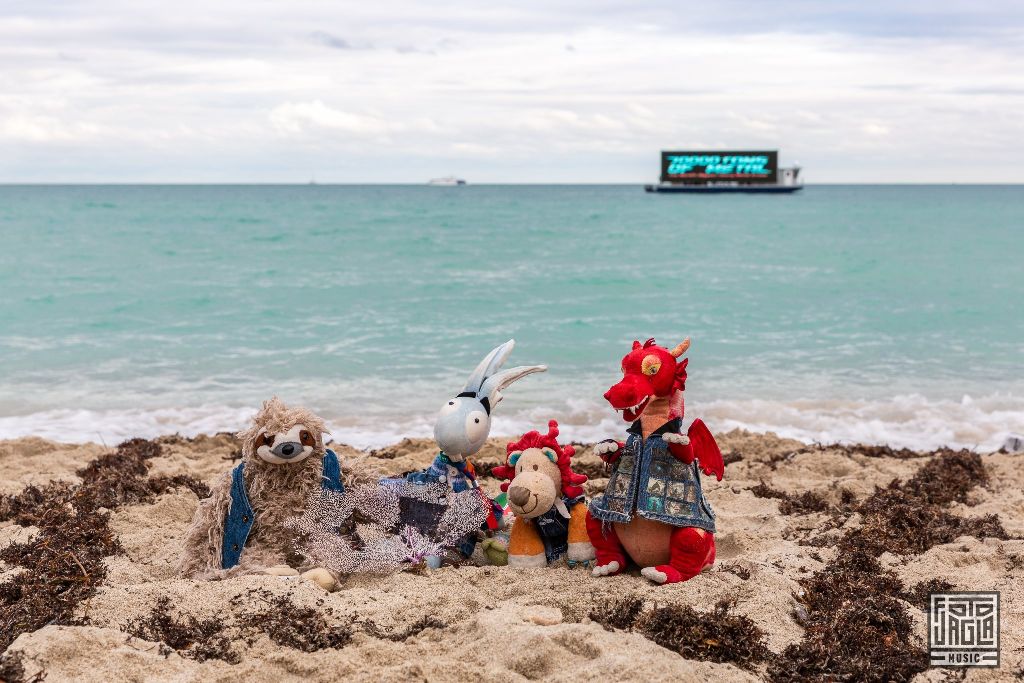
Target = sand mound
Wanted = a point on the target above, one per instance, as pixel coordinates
(789, 517)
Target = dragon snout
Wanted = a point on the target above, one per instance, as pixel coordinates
(629, 392)
(519, 495)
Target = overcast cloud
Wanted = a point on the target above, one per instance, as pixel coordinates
(586, 91)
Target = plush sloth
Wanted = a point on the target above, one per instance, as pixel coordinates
(240, 528)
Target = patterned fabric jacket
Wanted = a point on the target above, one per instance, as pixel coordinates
(425, 515)
(240, 514)
(458, 475)
(647, 479)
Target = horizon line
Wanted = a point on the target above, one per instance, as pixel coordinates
(468, 184)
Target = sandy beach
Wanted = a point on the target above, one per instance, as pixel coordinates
(825, 559)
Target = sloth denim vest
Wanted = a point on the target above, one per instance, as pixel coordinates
(240, 515)
(648, 478)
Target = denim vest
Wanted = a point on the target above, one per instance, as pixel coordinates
(648, 478)
(439, 473)
(554, 529)
(241, 517)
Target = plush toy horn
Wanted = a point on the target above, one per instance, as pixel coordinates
(681, 349)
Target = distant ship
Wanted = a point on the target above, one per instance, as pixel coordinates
(713, 172)
(448, 181)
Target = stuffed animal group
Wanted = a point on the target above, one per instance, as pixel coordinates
(653, 511)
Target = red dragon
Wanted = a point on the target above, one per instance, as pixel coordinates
(652, 511)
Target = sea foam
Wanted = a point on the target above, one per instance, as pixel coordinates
(909, 421)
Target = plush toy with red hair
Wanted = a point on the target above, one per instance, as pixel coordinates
(545, 496)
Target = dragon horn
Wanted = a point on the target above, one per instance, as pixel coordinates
(681, 349)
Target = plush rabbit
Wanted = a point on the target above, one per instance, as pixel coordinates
(465, 421)
(460, 431)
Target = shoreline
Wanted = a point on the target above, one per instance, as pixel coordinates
(980, 423)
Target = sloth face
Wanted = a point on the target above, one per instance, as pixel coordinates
(292, 446)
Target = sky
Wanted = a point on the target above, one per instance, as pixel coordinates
(539, 91)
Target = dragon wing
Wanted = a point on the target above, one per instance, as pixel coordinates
(705, 449)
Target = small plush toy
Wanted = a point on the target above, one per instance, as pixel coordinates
(461, 429)
(654, 509)
(240, 528)
(545, 496)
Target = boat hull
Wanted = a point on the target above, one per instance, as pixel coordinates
(719, 189)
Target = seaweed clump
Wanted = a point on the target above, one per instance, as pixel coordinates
(287, 624)
(198, 639)
(618, 614)
(907, 517)
(719, 636)
(396, 636)
(791, 504)
(62, 564)
(281, 620)
(857, 624)
(856, 627)
(919, 594)
(12, 670)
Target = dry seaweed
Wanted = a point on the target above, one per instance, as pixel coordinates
(792, 504)
(876, 451)
(198, 639)
(163, 484)
(12, 670)
(618, 614)
(287, 624)
(394, 635)
(27, 507)
(719, 636)
(919, 594)
(63, 563)
(947, 478)
(906, 517)
(900, 524)
(857, 625)
(731, 457)
(855, 628)
(736, 570)
(62, 566)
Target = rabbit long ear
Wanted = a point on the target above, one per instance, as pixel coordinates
(493, 385)
(488, 366)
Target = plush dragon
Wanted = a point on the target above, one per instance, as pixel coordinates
(654, 509)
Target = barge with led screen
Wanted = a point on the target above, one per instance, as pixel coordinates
(714, 172)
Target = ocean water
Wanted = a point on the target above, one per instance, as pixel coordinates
(881, 314)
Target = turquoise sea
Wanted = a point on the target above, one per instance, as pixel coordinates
(887, 314)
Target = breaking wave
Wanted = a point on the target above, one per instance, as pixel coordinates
(908, 421)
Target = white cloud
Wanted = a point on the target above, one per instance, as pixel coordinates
(298, 117)
(272, 92)
(875, 129)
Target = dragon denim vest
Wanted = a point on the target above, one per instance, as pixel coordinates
(554, 529)
(649, 479)
(241, 517)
